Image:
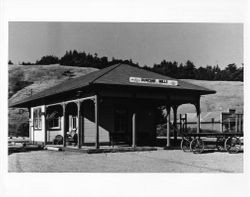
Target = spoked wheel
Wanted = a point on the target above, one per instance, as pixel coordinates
(220, 143)
(233, 144)
(197, 146)
(185, 144)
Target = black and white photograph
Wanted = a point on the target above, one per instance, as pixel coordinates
(94, 101)
(161, 92)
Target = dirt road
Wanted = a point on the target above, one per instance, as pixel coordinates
(155, 161)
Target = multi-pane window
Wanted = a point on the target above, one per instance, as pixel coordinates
(54, 121)
(74, 122)
(37, 116)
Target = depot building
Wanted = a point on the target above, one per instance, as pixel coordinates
(114, 105)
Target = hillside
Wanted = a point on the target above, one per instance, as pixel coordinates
(229, 94)
(40, 77)
(36, 78)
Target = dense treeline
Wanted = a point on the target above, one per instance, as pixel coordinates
(46, 60)
(82, 59)
(189, 71)
(79, 59)
(168, 68)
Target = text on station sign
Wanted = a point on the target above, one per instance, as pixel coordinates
(153, 81)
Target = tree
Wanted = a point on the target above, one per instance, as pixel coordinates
(189, 70)
(231, 68)
(26, 63)
(47, 60)
(167, 68)
(217, 72)
(201, 73)
(10, 62)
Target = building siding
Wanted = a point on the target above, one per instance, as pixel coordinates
(52, 133)
(105, 123)
(145, 123)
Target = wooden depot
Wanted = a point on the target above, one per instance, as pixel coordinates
(113, 106)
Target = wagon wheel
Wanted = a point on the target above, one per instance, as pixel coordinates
(233, 144)
(185, 144)
(220, 143)
(197, 145)
(227, 143)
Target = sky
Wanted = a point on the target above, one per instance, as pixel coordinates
(146, 43)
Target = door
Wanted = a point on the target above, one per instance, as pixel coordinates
(146, 127)
(120, 134)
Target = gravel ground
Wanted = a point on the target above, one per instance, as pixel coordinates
(150, 161)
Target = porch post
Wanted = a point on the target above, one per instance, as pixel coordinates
(30, 122)
(240, 123)
(134, 129)
(96, 100)
(45, 126)
(221, 121)
(79, 124)
(82, 124)
(198, 111)
(168, 126)
(236, 123)
(175, 122)
(64, 124)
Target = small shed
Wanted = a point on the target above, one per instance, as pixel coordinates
(116, 104)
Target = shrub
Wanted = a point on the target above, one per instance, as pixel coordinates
(48, 59)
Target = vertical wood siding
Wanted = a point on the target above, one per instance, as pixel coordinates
(89, 122)
(105, 126)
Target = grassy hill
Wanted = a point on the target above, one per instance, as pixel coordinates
(29, 79)
(25, 80)
(40, 77)
(229, 94)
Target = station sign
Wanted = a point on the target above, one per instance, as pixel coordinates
(153, 81)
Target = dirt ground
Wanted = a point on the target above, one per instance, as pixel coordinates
(150, 161)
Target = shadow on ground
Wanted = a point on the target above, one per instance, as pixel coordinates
(18, 149)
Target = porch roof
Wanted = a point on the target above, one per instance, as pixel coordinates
(118, 74)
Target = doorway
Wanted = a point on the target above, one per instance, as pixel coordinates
(121, 122)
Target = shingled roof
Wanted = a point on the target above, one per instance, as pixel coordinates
(118, 74)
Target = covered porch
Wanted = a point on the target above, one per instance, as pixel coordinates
(107, 122)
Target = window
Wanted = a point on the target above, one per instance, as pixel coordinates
(73, 123)
(54, 121)
(37, 117)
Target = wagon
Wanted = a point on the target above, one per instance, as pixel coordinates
(196, 142)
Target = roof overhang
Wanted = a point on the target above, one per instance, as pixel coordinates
(31, 101)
